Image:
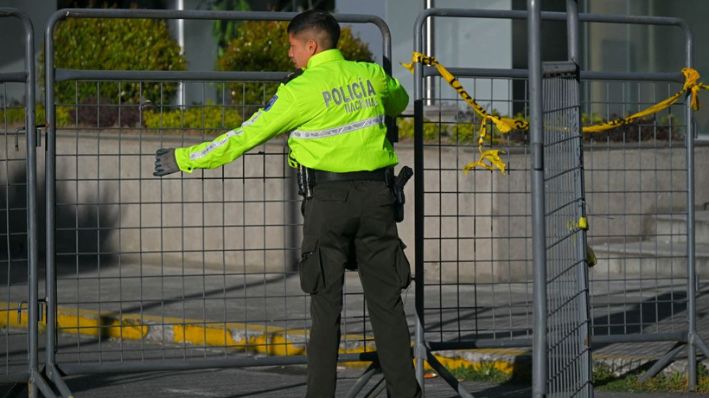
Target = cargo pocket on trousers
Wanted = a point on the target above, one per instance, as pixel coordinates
(403, 268)
(312, 278)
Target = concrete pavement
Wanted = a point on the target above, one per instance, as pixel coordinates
(138, 314)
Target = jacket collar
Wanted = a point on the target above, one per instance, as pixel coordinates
(332, 54)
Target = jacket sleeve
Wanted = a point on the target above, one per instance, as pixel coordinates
(396, 98)
(280, 115)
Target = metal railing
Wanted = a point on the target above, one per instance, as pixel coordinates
(186, 271)
(146, 273)
(474, 274)
(18, 232)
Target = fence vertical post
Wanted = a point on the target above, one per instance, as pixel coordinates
(691, 266)
(50, 187)
(31, 165)
(35, 381)
(430, 43)
(539, 362)
(420, 350)
(49, 200)
(586, 367)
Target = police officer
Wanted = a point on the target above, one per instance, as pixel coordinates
(334, 114)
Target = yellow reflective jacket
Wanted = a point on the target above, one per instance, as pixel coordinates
(334, 115)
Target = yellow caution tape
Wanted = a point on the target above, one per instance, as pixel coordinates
(691, 86)
(591, 258)
(490, 159)
(504, 124)
(582, 224)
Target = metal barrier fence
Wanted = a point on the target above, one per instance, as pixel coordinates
(153, 263)
(18, 222)
(561, 357)
(474, 232)
(190, 271)
(567, 311)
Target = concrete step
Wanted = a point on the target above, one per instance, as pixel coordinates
(649, 259)
(673, 227)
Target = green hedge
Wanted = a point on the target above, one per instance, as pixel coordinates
(115, 44)
(660, 128)
(263, 46)
(15, 116)
(208, 118)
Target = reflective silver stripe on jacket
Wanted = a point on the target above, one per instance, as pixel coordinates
(216, 144)
(252, 119)
(338, 130)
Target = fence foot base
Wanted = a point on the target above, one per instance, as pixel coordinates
(446, 374)
(362, 381)
(699, 342)
(38, 382)
(670, 355)
(662, 362)
(55, 377)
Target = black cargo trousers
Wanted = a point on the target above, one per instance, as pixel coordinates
(346, 221)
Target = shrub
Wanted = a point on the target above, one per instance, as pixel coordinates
(263, 46)
(12, 116)
(352, 47)
(225, 30)
(15, 116)
(431, 131)
(208, 118)
(464, 133)
(115, 44)
(104, 113)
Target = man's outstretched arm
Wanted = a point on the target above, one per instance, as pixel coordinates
(278, 116)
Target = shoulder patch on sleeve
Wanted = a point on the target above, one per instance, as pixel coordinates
(270, 102)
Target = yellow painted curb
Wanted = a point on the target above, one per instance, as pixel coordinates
(504, 360)
(267, 340)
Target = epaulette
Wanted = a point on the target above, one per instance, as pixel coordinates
(292, 76)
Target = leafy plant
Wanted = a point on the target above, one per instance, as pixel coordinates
(115, 44)
(223, 30)
(464, 133)
(605, 379)
(483, 371)
(431, 131)
(352, 47)
(15, 116)
(263, 46)
(208, 118)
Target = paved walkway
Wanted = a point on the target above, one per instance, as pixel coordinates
(160, 312)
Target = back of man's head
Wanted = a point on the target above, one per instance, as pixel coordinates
(322, 25)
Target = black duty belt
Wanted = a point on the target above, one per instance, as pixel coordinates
(326, 176)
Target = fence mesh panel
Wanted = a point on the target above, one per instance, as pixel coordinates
(637, 211)
(477, 226)
(13, 233)
(477, 252)
(188, 266)
(568, 349)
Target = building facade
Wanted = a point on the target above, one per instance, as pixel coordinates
(458, 42)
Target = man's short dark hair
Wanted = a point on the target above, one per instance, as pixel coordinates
(321, 22)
